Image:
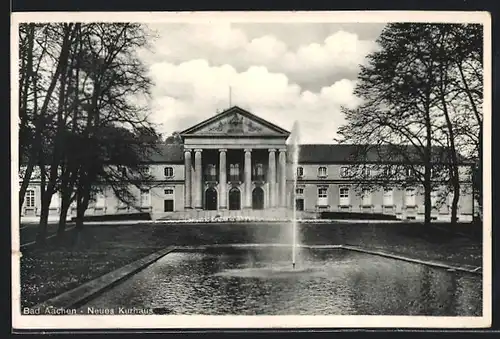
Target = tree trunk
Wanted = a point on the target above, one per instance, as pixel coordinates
(42, 226)
(40, 121)
(427, 200)
(83, 198)
(44, 217)
(454, 204)
(65, 204)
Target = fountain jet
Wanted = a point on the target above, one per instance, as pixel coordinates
(294, 142)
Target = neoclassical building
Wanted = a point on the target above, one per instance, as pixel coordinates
(238, 164)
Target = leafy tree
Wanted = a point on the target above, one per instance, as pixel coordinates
(413, 96)
(82, 92)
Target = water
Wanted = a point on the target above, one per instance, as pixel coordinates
(295, 142)
(260, 281)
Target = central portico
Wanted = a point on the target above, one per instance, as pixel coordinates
(235, 160)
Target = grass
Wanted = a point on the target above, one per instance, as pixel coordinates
(49, 271)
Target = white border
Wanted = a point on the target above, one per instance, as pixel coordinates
(170, 322)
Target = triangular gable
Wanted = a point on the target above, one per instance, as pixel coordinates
(235, 121)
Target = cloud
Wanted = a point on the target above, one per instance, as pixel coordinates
(280, 72)
(192, 91)
(313, 64)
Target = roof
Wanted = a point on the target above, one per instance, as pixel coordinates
(234, 110)
(349, 153)
(168, 153)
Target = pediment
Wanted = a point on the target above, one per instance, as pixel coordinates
(235, 122)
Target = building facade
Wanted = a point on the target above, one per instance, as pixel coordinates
(236, 163)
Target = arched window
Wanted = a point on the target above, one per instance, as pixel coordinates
(322, 173)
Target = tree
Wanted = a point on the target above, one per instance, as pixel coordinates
(396, 88)
(175, 138)
(118, 78)
(414, 94)
(43, 55)
(80, 83)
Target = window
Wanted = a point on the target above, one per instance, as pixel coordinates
(344, 196)
(344, 172)
(258, 172)
(388, 196)
(168, 191)
(144, 170)
(211, 172)
(410, 197)
(299, 204)
(259, 169)
(299, 190)
(322, 172)
(145, 198)
(30, 198)
(366, 197)
(388, 171)
(322, 196)
(168, 171)
(365, 172)
(168, 205)
(300, 171)
(234, 172)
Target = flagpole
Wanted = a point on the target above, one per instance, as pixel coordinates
(229, 96)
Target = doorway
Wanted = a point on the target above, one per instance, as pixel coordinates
(234, 199)
(258, 198)
(211, 199)
(168, 205)
(299, 204)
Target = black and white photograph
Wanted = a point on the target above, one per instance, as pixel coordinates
(251, 170)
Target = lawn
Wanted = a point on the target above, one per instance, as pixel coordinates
(50, 271)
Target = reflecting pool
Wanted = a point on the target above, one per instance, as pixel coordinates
(261, 281)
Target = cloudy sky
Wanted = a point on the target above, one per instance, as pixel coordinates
(281, 72)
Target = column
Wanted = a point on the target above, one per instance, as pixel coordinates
(248, 178)
(198, 176)
(282, 180)
(271, 179)
(222, 179)
(187, 179)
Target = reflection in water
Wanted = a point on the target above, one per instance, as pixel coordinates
(260, 281)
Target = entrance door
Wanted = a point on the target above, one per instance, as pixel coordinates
(234, 199)
(258, 198)
(211, 199)
(168, 205)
